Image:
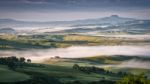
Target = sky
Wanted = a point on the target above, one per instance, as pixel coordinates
(60, 10)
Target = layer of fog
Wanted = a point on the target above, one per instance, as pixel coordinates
(128, 36)
(134, 63)
(53, 28)
(79, 51)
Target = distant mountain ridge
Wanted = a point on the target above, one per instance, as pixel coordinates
(113, 24)
(7, 31)
(113, 19)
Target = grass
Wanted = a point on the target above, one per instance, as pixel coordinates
(94, 61)
(62, 70)
(116, 59)
(131, 70)
(97, 61)
(58, 41)
(63, 73)
(7, 75)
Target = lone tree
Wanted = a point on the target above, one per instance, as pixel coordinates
(76, 67)
(29, 60)
(22, 59)
(57, 57)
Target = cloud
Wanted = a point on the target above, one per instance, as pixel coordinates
(86, 3)
(73, 8)
(34, 1)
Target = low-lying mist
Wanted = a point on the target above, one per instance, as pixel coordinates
(38, 55)
(135, 64)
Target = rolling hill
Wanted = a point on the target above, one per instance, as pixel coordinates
(113, 24)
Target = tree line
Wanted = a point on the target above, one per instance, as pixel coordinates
(38, 78)
(13, 62)
(94, 69)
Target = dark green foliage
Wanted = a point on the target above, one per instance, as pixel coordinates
(37, 79)
(13, 62)
(22, 59)
(17, 44)
(94, 82)
(12, 65)
(88, 69)
(29, 60)
(103, 82)
(76, 66)
(94, 69)
(134, 79)
(74, 82)
(7, 60)
(42, 79)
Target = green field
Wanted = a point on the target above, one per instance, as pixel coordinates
(59, 41)
(7, 75)
(103, 60)
(62, 70)
(95, 60)
(63, 73)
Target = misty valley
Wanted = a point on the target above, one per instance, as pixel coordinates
(72, 58)
(108, 50)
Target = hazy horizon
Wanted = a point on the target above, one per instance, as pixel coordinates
(66, 10)
(71, 20)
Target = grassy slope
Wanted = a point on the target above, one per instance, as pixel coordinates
(7, 75)
(62, 69)
(97, 61)
(116, 59)
(132, 70)
(92, 40)
(65, 73)
(51, 41)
